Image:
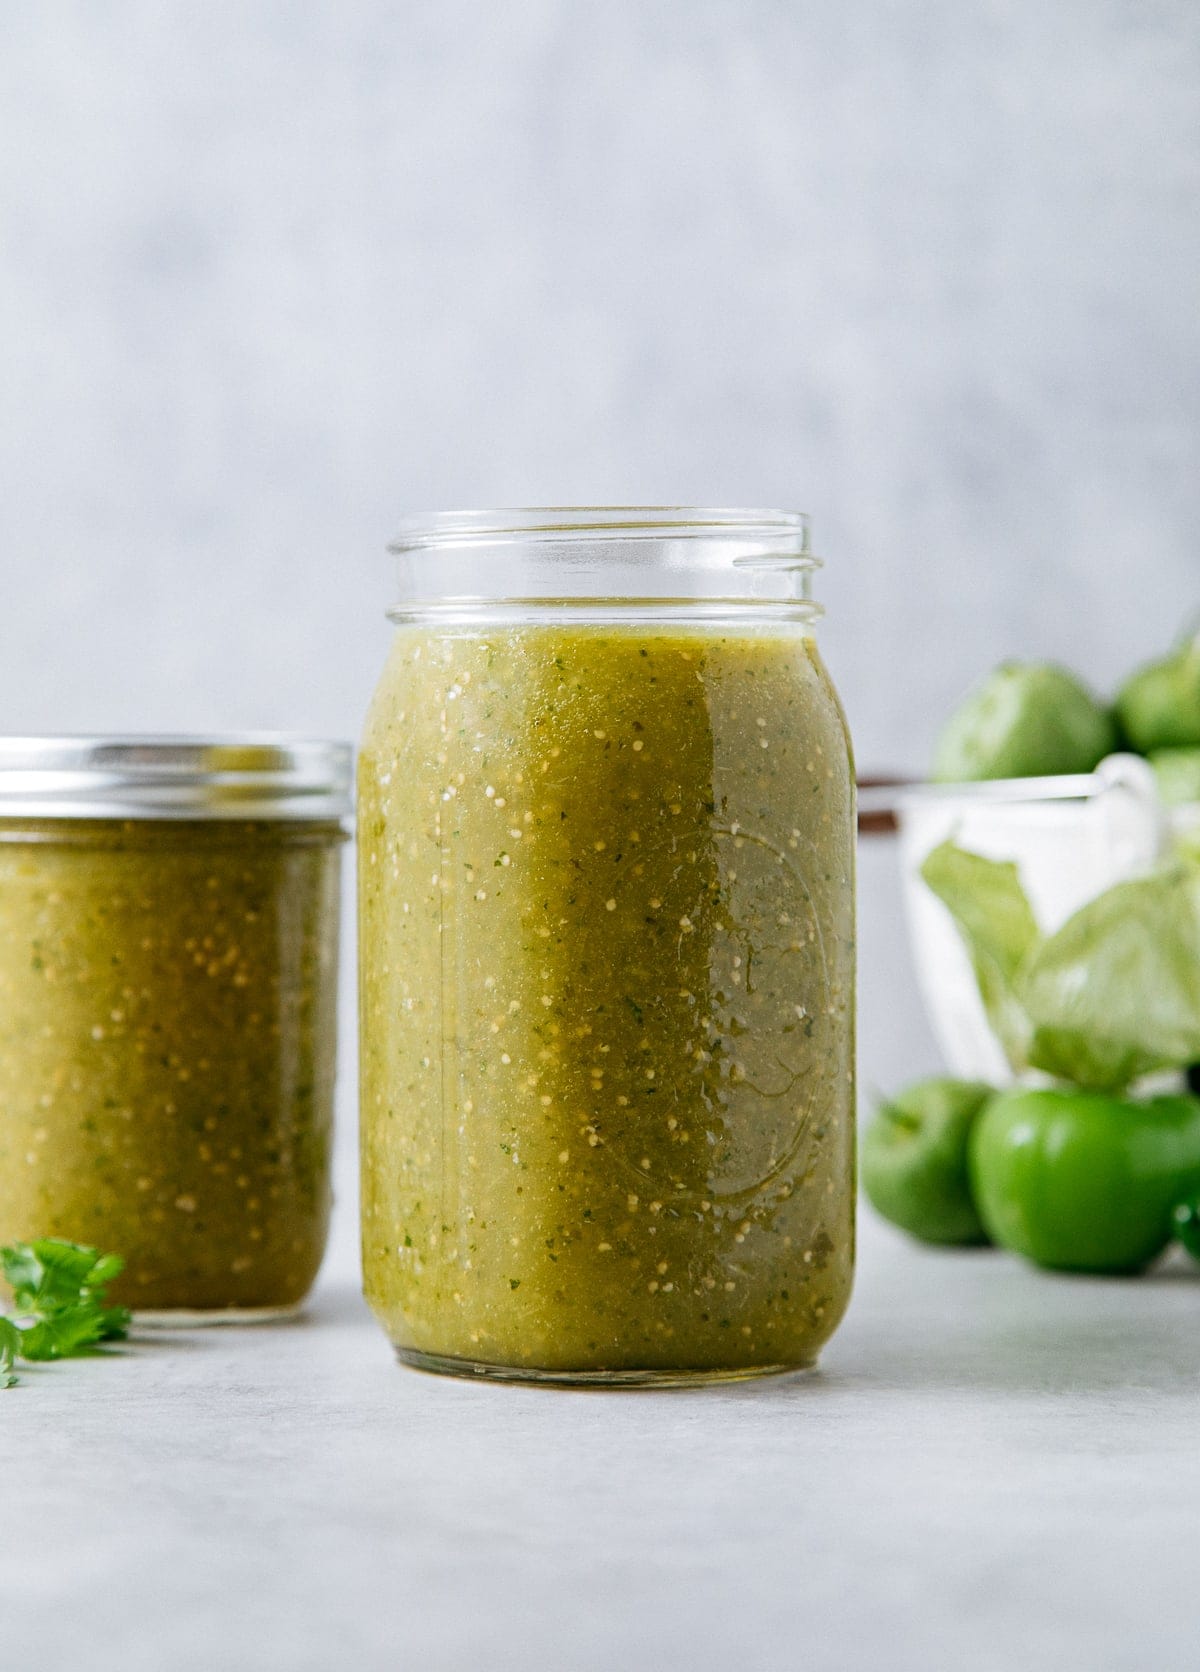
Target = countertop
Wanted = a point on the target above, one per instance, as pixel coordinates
(993, 1468)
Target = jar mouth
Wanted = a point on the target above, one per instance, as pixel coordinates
(610, 556)
(558, 524)
(244, 776)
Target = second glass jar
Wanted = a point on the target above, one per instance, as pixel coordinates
(168, 1003)
(606, 827)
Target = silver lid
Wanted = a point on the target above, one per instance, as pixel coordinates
(253, 776)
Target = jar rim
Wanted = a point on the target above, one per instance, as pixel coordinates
(245, 776)
(625, 558)
(557, 524)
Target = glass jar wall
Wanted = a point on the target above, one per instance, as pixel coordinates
(168, 976)
(606, 937)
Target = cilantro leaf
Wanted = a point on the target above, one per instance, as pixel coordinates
(63, 1334)
(60, 1309)
(10, 1346)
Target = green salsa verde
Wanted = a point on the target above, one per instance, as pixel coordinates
(167, 1020)
(606, 975)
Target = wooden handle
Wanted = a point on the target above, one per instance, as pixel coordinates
(877, 810)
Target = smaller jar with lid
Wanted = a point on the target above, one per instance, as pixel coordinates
(168, 1002)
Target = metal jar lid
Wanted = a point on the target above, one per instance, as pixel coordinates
(252, 776)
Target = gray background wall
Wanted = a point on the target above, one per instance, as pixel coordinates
(272, 274)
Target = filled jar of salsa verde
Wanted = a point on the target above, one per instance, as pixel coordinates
(168, 988)
(606, 863)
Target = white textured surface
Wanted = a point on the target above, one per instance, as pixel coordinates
(994, 1470)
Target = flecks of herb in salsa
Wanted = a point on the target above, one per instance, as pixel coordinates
(166, 1075)
(607, 1088)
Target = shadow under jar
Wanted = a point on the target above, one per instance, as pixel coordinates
(168, 1003)
(606, 855)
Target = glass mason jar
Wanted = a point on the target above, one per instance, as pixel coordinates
(606, 861)
(168, 983)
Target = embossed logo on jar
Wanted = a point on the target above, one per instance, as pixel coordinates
(770, 1005)
(732, 1091)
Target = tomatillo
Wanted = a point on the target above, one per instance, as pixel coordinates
(1158, 707)
(1186, 1222)
(1177, 772)
(1026, 719)
(1084, 1181)
(914, 1160)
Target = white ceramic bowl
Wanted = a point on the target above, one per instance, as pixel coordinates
(1070, 837)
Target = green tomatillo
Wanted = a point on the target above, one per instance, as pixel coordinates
(1158, 707)
(1177, 772)
(914, 1160)
(1186, 1220)
(1025, 720)
(1084, 1181)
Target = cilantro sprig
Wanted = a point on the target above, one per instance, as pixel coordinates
(59, 1309)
